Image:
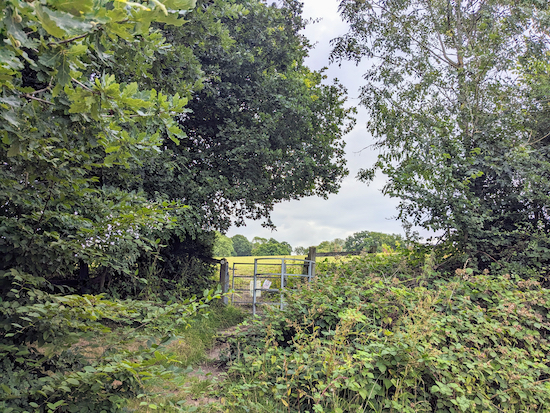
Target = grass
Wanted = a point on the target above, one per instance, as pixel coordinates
(245, 265)
(191, 385)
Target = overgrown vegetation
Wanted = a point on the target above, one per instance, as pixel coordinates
(131, 131)
(79, 353)
(374, 334)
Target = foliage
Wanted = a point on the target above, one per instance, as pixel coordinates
(101, 157)
(223, 247)
(67, 120)
(457, 118)
(179, 392)
(46, 355)
(264, 128)
(242, 246)
(371, 241)
(261, 128)
(336, 245)
(268, 247)
(365, 336)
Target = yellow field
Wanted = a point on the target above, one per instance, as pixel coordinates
(250, 260)
(241, 271)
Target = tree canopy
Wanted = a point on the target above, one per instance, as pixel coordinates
(67, 118)
(458, 117)
(336, 245)
(261, 128)
(371, 241)
(266, 247)
(133, 130)
(242, 246)
(223, 246)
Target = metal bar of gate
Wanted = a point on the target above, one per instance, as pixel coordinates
(254, 286)
(283, 278)
(283, 271)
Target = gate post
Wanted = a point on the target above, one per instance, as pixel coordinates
(224, 279)
(310, 266)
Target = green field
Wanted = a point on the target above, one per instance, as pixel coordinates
(245, 265)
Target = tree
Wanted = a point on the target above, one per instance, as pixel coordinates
(66, 121)
(335, 245)
(223, 246)
(263, 128)
(370, 241)
(242, 246)
(104, 166)
(271, 247)
(450, 113)
(300, 251)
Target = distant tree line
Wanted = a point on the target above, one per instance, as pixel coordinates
(240, 246)
(366, 241)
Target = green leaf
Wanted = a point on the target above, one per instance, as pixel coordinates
(75, 7)
(11, 117)
(49, 59)
(15, 149)
(47, 23)
(63, 72)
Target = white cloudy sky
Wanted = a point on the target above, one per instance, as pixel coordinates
(356, 207)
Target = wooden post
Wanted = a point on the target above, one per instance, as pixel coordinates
(224, 279)
(310, 257)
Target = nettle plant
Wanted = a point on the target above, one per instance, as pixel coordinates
(366, 337)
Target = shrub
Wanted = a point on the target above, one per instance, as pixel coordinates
(365, 336)
(44, 370)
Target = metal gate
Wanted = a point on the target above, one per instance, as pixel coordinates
(267, 280)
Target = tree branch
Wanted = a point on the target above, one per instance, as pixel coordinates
(72, 39)
(29, 96)
(82, 85)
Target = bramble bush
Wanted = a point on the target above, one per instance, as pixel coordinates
(374, 335)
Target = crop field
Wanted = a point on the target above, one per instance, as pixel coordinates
(245, 265)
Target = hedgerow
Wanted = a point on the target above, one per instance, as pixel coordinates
(371, 335)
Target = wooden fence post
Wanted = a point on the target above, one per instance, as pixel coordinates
(224, 279)
(310, 257)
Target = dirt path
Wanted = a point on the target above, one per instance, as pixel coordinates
(210, 372)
